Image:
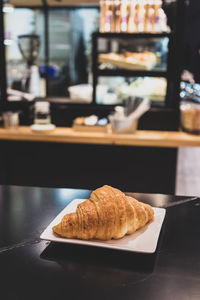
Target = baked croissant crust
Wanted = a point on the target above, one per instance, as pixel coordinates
(108, 214)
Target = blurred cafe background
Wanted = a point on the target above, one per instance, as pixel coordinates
(90, 59)
(62, 52)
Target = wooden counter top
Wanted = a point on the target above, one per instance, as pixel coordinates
(68, 135)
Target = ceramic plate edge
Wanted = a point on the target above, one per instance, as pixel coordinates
(94, 242)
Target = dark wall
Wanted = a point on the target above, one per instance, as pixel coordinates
(136, 169)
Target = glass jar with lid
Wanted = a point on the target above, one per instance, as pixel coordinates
(190, 116)
(42, 114)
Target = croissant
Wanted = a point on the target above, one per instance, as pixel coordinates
(108, 214)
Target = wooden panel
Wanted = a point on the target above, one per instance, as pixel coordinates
(26, 3)
(139, 169)
(70, 2)
(147, 138)
(32, 3)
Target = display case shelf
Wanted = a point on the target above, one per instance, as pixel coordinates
(132, 73)
(131, 35)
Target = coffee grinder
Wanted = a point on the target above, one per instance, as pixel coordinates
(29, 45)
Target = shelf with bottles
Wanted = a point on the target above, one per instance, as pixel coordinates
(132, 16)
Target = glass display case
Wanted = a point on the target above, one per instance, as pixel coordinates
(132, 65)
(133, 54)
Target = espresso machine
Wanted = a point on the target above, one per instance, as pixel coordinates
(29, 46)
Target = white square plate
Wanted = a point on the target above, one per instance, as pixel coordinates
(143, 240)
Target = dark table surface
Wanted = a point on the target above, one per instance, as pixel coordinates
(35, 269)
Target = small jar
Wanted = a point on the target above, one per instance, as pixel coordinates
(11, 120)
(190, 117)
(42, 114)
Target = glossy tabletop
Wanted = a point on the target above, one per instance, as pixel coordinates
(35, 269)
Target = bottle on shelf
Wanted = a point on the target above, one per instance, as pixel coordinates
(147, 21)
(116, 16)
(131, 16)
(103, 16)
(156, 20)
(109, 16)
(123, 12)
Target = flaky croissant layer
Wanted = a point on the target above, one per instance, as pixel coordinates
(108, 214)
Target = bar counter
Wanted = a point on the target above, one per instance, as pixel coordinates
(35, 269)
(145, 161)
(146, 138)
